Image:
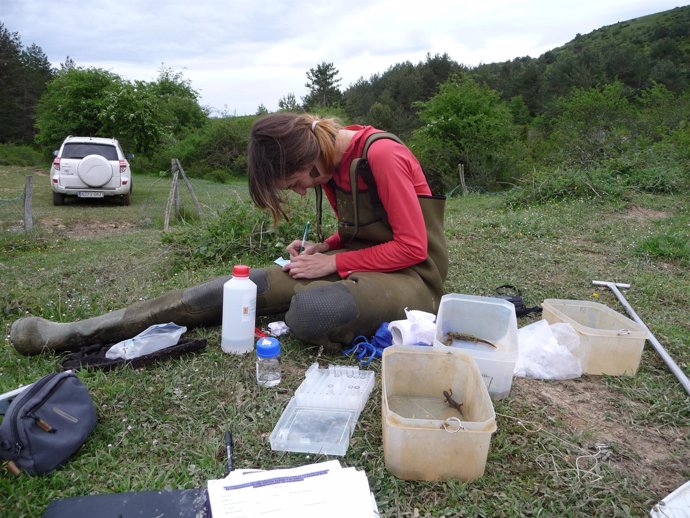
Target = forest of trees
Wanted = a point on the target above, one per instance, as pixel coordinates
(617, 98)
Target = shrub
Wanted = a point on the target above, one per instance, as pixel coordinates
(468, 123)
(544, 186)
(21, 155)
(216, 151)
(238, 234)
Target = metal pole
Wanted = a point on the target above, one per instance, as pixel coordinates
(670, 363)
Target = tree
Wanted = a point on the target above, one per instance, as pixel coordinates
(323, 86)
(591, 126)
(37, 73)
(24, 74)
(96, 102)
(469, 124)
(72, 103)
(10, 70)
(289, 103)
(177, 102)
(131, 112)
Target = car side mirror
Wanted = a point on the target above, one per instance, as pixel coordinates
(129, 156)
(55, 153)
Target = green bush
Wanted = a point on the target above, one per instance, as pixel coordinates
(468, 123)
(238, 234)
(217, 151)
(22, 155)
(561, 184)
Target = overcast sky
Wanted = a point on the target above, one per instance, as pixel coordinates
(240, 54)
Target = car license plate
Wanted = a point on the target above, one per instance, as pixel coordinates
(90, 194)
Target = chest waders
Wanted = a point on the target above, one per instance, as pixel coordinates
(333, 312)
(329, 311)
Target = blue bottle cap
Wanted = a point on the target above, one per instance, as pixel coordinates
(267, 347)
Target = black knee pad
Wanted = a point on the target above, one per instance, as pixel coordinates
(315, 313)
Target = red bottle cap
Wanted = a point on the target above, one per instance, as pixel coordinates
(240, 270)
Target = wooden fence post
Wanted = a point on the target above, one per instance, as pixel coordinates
(28, 196)
(189, 187)
(174, 197)
(171, 199)
(461, 172)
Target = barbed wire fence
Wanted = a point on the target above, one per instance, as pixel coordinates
(15, 210)
(26, 209)
(174, 196)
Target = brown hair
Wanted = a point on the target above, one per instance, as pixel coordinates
(280, 144)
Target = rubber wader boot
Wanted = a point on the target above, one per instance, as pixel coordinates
(200, 305)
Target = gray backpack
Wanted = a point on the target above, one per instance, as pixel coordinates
(46, 424)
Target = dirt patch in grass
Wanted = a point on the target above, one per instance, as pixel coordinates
(89, 228)
(638, 213)
(591, 410)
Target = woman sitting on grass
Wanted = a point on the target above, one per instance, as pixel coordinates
(388, 253)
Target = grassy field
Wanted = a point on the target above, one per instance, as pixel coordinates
(594, 446)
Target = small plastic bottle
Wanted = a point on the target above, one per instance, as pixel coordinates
(239, 312)
(267, 362)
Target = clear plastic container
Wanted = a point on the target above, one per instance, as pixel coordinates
(610, 343)
(488, 319)
(322, 415)
(268, 362)
(239, 312)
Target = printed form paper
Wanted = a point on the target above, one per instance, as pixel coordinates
(307, 491)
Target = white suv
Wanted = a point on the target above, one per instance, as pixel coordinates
(90, 167)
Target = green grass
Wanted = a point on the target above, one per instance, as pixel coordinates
(162, 426)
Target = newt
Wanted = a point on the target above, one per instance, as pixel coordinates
(468, 338)
(448, 394)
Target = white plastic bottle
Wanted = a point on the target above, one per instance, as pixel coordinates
(239, 312)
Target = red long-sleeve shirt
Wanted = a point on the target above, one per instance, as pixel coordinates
(399, 180)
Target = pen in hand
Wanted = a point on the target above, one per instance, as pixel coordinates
(304, 237)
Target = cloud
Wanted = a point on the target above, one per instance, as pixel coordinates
(241, 54)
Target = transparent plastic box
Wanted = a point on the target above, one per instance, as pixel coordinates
(486, 318)
(322, 415)
(610, 343)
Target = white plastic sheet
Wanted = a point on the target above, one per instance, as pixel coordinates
(548, 351)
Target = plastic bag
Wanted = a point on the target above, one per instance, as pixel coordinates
(155, 338)
(548, 351)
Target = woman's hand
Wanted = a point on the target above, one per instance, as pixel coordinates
(309, 248)
(310, 264)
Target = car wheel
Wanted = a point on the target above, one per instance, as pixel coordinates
(94, 171)
(58, 198)
(127, 199)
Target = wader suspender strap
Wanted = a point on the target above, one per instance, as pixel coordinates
(354, 170)
(362, 164)
(319, 212)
